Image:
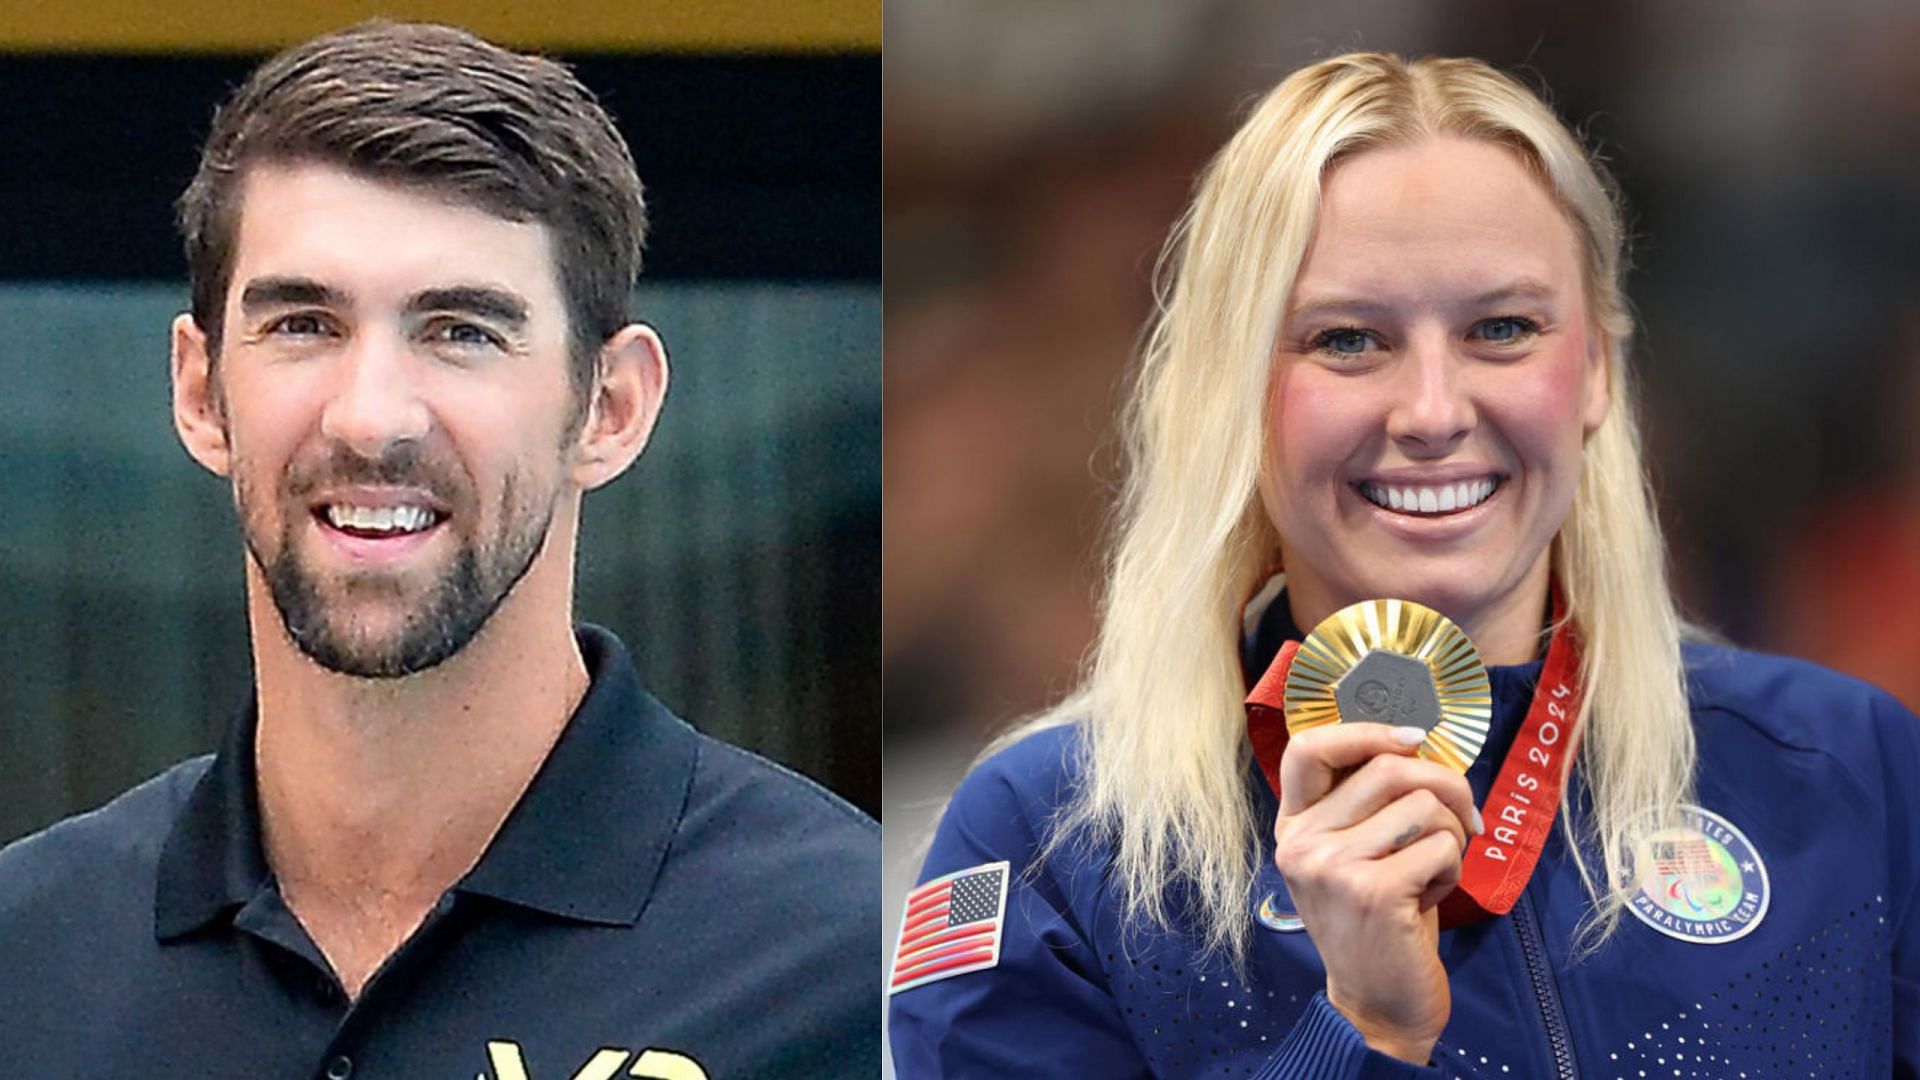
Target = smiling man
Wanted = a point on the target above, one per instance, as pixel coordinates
(451, 835)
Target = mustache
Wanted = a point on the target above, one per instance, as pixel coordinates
(406, 464)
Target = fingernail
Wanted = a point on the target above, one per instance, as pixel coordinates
(1479, 826)
(1409, 736)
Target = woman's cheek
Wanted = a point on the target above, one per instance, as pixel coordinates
(1314, 419)
(1554, 392)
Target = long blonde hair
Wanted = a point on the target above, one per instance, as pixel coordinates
(1161, 707)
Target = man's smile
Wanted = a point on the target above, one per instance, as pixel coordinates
(377, 522)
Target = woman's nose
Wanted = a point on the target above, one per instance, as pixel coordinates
(1431, 411)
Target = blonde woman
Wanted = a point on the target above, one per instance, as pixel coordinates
(1391, 363)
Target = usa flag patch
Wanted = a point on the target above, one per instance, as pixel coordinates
(951, 926)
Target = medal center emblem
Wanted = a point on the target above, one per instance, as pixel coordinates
(1387, 688)
(1373, 696)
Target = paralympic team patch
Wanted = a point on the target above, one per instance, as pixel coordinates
(1702, 882)
(951, 926)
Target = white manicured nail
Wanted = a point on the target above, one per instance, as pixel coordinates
(1409, 736)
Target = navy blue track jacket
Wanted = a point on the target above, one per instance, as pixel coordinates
(1783, 940)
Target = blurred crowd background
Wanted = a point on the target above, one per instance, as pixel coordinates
(1036, 154)
(739, 559)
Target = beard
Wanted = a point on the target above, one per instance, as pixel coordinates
(321, 620)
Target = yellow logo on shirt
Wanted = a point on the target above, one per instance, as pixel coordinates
(650, 1064)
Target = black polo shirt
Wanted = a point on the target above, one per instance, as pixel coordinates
(659, 904)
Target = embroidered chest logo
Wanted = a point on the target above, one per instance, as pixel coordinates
(1277, 914)
(1702, 882)
(650, 1064)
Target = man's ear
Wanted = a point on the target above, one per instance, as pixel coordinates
(199, 416)
(629, 385)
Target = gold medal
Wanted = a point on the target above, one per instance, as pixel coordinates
(1394, 662)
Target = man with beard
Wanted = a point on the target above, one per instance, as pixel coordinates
(451, 835)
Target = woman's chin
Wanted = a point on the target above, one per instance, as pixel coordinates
(1463, 593)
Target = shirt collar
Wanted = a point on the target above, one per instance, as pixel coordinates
(585, 842)
(212, 862)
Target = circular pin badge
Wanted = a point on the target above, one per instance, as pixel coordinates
(1394, 662)
(1701, 881)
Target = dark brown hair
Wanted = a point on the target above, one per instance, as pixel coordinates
(438, 109)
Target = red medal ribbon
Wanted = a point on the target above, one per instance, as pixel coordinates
(1521, 804)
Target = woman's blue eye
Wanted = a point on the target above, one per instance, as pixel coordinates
(1343, 342)
(1506, 329)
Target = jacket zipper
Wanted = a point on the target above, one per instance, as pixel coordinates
(1534, 950)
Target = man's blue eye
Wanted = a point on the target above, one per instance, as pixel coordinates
(463, 333)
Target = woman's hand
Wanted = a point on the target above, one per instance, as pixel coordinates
(1369, 839)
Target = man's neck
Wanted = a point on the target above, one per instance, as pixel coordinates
(376, 796)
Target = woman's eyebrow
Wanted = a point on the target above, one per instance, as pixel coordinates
(1337, 305)
(1523, 288)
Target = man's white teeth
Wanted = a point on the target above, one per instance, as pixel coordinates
(385, 519)
(1441, 499)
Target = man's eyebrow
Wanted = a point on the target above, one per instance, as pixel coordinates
(272, 292)
(484, 301)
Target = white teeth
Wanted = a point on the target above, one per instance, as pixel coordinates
(387, 519)
(1441, 499)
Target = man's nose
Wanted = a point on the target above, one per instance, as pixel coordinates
(376, 399)
(1432, 411)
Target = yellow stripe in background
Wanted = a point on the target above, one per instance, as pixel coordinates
(226, 26)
